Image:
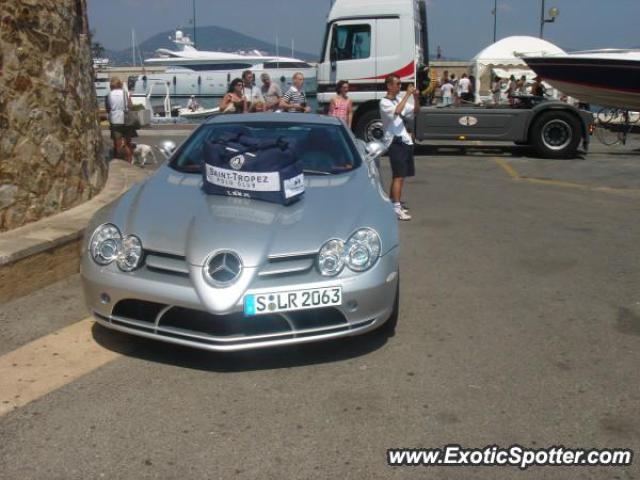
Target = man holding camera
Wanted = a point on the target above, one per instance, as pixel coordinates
(394, 109)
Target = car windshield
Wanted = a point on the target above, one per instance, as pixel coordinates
(321, 149)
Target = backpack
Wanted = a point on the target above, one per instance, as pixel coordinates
(239, 165)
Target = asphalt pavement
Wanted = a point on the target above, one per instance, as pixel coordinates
(519, 324)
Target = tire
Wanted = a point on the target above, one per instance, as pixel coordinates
(388, 328)
(555, 134)
(369, 126)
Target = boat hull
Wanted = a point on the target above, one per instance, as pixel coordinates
(607, 82)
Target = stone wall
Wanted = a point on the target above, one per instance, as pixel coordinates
(50, 140)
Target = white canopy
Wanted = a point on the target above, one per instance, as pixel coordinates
(506, 55)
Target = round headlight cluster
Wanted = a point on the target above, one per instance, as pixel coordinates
(360, 252)
(331, 258)
(130, 254)
(107, 245)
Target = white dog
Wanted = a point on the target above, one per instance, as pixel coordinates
(143, 154)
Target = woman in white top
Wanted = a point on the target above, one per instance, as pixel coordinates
(116, 103)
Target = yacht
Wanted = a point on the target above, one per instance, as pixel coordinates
(101, 79)
(207, 74)
(608, 78)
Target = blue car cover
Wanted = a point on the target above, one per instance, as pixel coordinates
(237, 164)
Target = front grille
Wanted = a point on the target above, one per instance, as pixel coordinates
(167, 263)
(232, 329)
(288, 264)
(276, 265)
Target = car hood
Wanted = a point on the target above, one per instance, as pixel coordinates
(171, 214)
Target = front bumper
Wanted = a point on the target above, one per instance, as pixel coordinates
(177, 308)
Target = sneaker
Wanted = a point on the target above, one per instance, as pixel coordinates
(404, 207)
(402, 214)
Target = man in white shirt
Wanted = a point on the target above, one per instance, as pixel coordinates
(447, 93)
(393, 111)
(465, 88)
(251, 92)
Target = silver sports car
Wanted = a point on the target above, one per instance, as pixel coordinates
(169, 262)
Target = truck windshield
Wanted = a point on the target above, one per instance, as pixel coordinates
(321, 149)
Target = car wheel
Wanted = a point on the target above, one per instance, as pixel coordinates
(369, 127)
(388, 328)
(556, 135)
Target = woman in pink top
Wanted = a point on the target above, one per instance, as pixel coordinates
(341, 105)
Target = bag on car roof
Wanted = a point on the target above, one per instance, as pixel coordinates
(239, 165)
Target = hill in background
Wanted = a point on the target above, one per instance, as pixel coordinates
(207, 38)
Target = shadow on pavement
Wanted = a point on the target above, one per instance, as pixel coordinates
(513, 151)
(261, 359)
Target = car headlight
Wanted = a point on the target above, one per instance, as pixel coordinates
(331, 258)
(130, 254)
(105, 244)
(362, 249)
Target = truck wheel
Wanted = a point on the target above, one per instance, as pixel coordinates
(555, 135)
(369, 127)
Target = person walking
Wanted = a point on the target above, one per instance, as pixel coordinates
(496, 90)
(117, 102)
(512, 89)
(472, 89)
(456, 89)
(464, 87)
(394, 109)
(522, 85)
(447, 93)
(341, 105)
(537, 89)
(295, 99)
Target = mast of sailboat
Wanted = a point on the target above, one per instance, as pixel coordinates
(133, 47)
(194, 23)
(292, 55)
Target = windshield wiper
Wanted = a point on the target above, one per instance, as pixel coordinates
(315, 172)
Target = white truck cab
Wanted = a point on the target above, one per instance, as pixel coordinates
(365, 41)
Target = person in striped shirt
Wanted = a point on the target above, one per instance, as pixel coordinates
(294, 99)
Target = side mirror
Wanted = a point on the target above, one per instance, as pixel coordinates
(374, 150)
(167, 147)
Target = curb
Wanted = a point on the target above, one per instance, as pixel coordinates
(46, 251)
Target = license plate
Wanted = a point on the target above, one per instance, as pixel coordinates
(262, 303)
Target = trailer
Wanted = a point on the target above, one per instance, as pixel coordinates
(367, 40)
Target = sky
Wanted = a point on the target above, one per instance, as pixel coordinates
(460, 27)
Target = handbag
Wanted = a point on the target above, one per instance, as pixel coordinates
(131, 118)
(239, 165)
